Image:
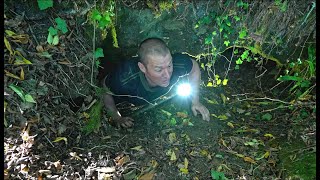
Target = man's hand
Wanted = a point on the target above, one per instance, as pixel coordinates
(124, 122)
(198, 107)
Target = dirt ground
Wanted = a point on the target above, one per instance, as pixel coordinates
(252, 134)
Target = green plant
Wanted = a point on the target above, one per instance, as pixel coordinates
(44, 4)
(97, 54)
(103, 19)
(94, 122)
(282, 5)
(25, 97)
(301, 73)
(53, 35)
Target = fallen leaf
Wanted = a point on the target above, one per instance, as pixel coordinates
(9, 33)
(11, 75)
(222, 117)
(223, 142)
(273, 162)
(269, 135)
(20, 60)
(267, 117)
(107, 169)
(65, 62)
(250, 160)
(147, 176)
(122, 160)
(173, 156)
(240, 111)
(211, 101)
(8, 46)
(230, 124)
(21, 73)
(39, 48)
(166, 112)
(239, 155)
(154, 163)
(130, 175)
(182, 115)
(172, 137)
(214, 115)
(74, 155)
(223, 97)
(137, 148)
(60, 139)
(22, 38)
(184, 170)
(186, 163)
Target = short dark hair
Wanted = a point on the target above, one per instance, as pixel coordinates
(152, 46)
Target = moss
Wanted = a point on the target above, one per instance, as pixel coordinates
(302, 166)
(162, 6)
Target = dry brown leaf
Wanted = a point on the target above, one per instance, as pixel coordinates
(8, 46)
(39, 48)
(182, 115)
(123, 160)
(250, 160)
(11, 75)
(147, 176)
(21, 73)
(172, 137)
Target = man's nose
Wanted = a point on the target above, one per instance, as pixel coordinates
(166, 73)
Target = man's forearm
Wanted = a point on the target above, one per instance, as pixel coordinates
(195, 78)
(110, 105)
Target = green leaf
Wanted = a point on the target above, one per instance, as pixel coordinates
(289, 78)
(18, 90)
(97, 62)
(226, 42)
(283, 7)
(105, 21)
(237, 67)
(49, 38)
(239, 61)
(53, 31)
(29, 98)
(216, 175)
(173, 122)
(98, 53)
(237, 18)
(245, 54)
(206, 20)
(62, 25)
(96, 15)
(267, 117)
(55, 40)
(44, 4)
(242, 33)
(208, 40)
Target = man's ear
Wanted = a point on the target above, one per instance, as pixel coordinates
(142, 67)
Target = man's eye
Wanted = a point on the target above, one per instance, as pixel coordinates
(158, 70)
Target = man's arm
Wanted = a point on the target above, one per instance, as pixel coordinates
(195, 78)
(116, 117)
(111, 107)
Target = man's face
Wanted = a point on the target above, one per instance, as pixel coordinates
(158, 70)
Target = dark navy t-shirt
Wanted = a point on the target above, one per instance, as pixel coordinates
(127, 79)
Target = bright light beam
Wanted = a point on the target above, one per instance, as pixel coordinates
(184, 89)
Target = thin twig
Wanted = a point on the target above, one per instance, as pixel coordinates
(49, 141)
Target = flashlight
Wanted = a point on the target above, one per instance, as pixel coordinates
(184, 89)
